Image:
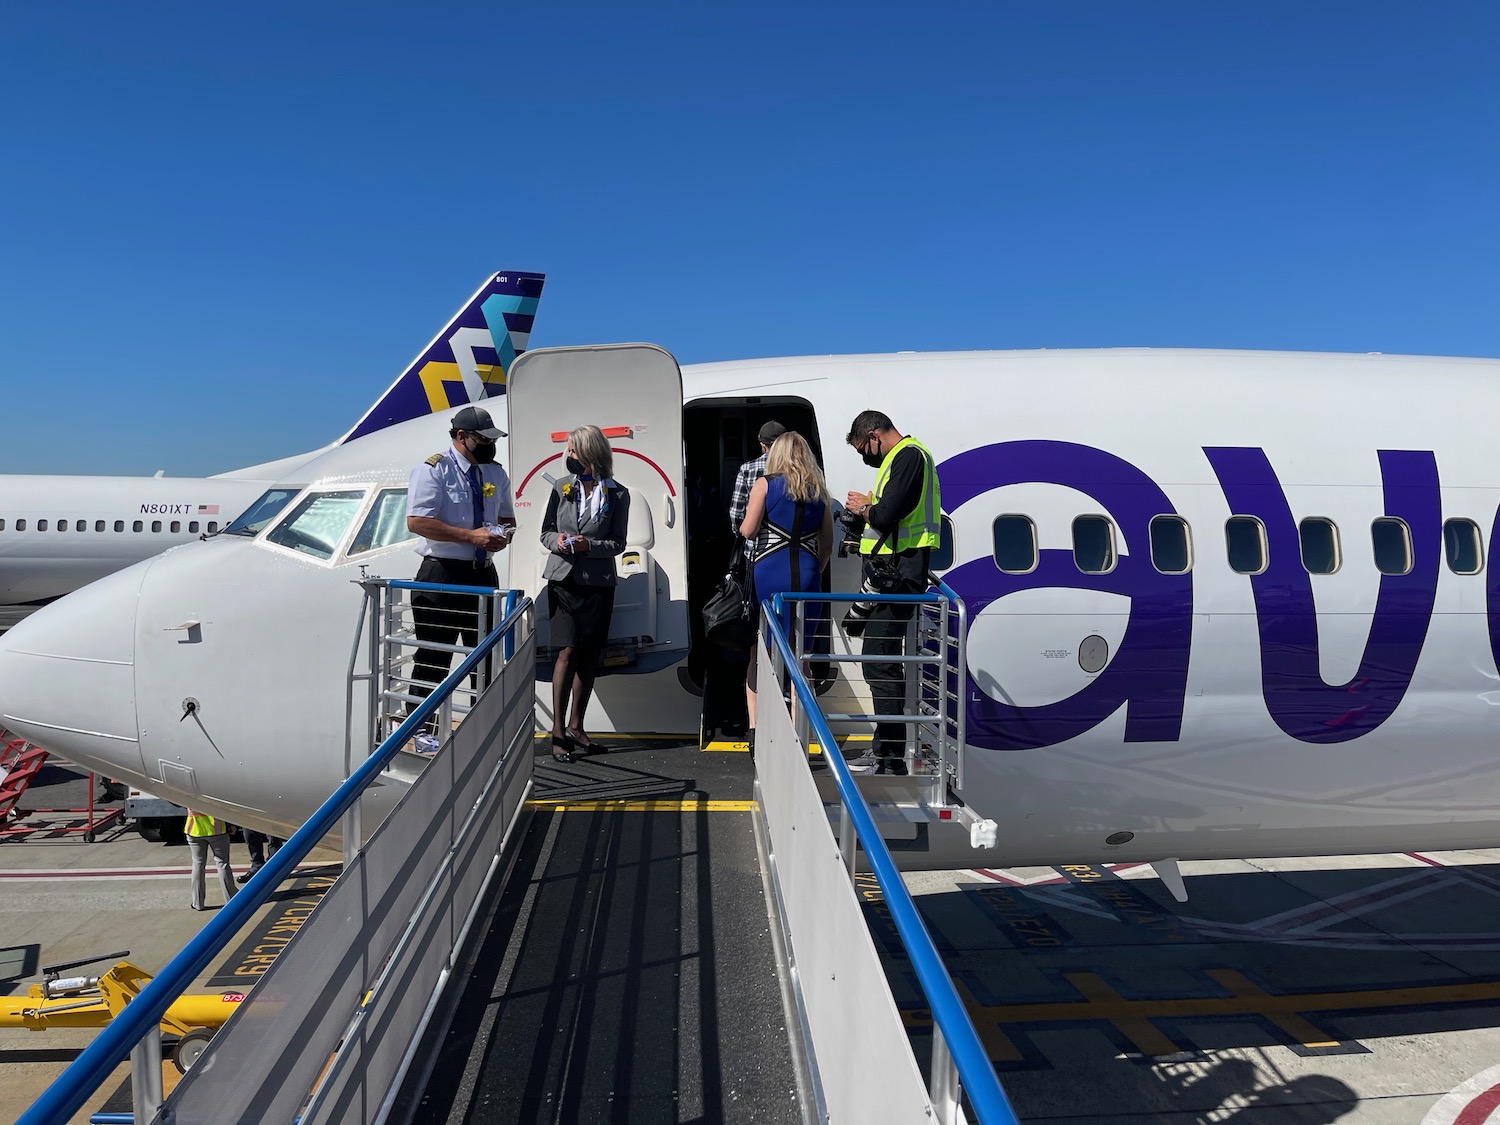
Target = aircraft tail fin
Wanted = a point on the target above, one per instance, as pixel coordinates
(468, 360)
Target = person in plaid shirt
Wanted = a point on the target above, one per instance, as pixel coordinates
(744, 481)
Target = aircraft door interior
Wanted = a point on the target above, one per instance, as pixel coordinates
(633, 392)
(720, 436)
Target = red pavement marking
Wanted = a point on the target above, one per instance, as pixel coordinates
(1428, 860)
(1479, 1109)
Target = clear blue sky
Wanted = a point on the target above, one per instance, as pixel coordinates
(229, 226)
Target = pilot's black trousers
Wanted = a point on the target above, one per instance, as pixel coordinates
(446, 619)
(885, 635)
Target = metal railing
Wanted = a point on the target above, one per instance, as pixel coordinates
(959, 1061)
(391, 646)
(136, 1032)
(935, 644)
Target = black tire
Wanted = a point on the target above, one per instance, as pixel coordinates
(151, 830)
(190, 1048)
(88, 837)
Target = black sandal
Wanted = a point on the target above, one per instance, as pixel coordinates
(580, 741)
(561, 749)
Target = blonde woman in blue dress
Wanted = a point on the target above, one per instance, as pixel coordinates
(792, 501)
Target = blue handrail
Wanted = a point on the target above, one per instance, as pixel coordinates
(68, 1092)
(948, 1013)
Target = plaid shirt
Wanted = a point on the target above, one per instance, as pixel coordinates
(744, 481)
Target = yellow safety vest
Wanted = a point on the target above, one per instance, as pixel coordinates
(920, 527)
(199, 826)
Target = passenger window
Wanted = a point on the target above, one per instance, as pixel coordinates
(41, 525)
(1392, 542)
(156, 525)
(137, 526)
(20, 525)
(2, 523)
(213, 526)
(119, 525)
(1320, 545)
(1015, 544)
(318, 523)
(1093, 544)
(176, 526)
(193, 527)
(1171, 546)
(81, 525)
(1245, 538)
(1462, 545)
(98, 525)
(942, 554)
(386, 523)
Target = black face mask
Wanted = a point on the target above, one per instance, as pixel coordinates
(874, 460)
(482, 453)
(576, 467)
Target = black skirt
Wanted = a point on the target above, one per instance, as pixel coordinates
(578, 616)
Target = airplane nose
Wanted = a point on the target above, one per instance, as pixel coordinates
(67, 675)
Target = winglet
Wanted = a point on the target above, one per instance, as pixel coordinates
(468, 360)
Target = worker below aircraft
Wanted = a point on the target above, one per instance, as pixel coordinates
(58, 533)
(1205, 621)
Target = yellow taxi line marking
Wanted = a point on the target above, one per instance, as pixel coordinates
(1132, 1016)
(687, 805)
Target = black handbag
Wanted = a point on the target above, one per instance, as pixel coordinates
(726, 615)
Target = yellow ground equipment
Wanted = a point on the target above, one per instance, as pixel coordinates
(92, 1001)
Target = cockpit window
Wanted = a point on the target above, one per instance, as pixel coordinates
(263, 511)
(318, 523)
(386, 523)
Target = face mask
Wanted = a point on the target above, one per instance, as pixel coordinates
(482, 453)
(874, 460)
(576, 467)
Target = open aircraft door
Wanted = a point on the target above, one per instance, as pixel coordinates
(633, 392)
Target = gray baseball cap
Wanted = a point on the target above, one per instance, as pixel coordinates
(477, 420)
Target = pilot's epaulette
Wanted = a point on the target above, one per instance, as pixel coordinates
(434, 459)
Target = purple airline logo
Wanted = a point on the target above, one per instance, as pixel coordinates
(1148, 672)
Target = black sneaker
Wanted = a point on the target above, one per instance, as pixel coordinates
(894, 766)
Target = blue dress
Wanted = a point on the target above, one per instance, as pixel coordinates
(789, 562)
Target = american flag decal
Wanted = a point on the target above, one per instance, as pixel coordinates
(208, 509)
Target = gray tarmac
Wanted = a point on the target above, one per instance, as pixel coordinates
(1363, 990)
(1357, 989)
(62, 899)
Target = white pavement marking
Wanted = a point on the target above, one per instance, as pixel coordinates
(1475, 1102)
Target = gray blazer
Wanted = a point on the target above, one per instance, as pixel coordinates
(605, 533)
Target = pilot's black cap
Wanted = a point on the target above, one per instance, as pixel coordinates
(477, 420)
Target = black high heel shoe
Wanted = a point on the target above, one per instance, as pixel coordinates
(580, 740)
(562, 749)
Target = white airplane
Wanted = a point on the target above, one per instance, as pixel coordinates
(1224, 604)
(58, 533)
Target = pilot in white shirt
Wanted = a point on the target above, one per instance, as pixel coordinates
(453, 500)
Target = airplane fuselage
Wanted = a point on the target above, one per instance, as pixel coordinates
(1223, 604)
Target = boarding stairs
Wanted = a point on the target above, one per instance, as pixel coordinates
(934, 652)
(22, 761)
(641, 925)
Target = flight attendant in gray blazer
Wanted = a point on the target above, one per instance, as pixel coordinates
(584, 529)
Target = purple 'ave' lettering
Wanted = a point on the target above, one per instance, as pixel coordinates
(1492, 592)
(1299, 700)
(1148, 671)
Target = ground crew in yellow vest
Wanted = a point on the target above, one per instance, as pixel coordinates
(902, 525)
(207, 834)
